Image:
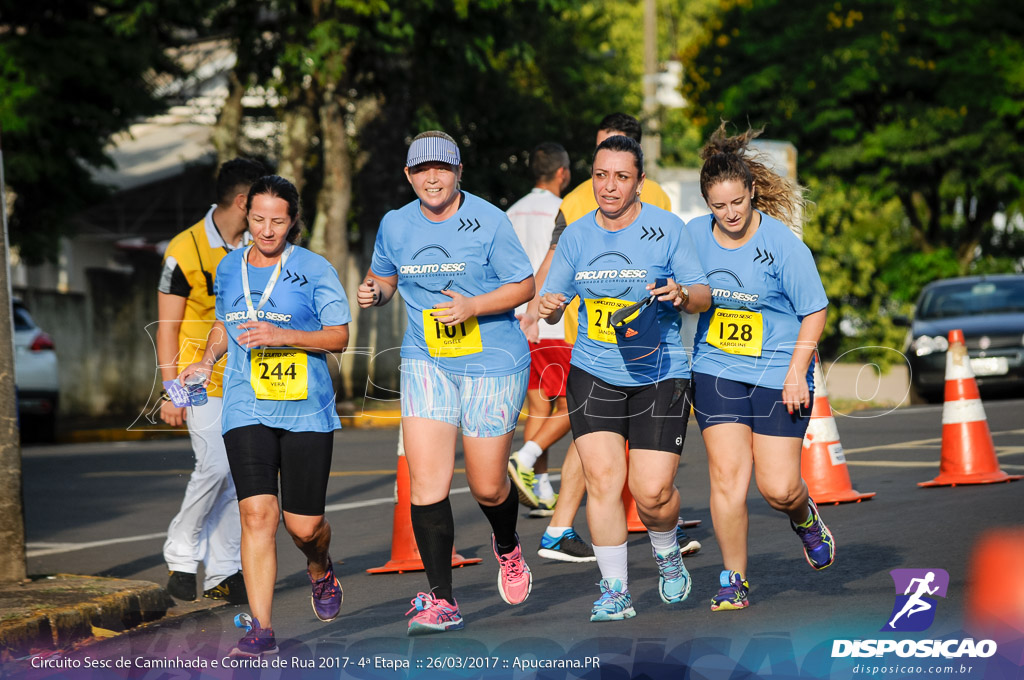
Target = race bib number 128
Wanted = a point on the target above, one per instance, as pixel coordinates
(737, 331)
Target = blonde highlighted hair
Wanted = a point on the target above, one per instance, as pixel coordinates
(732, 158)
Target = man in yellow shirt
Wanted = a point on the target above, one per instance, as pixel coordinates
(560, 536)
(207, 529)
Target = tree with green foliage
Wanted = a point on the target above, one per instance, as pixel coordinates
(914, 100)
(72, 73)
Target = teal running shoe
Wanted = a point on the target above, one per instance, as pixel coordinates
(673, 579)
(614, 604)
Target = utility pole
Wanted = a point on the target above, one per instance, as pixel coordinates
(652, 136)
(12, 517)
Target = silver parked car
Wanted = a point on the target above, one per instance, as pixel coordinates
(36, 376)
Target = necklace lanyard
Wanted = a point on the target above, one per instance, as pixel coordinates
(270, 284)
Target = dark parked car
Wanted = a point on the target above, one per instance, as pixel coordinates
(990, 311)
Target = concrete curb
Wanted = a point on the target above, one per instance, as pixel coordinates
(383, 418)
(367, 419)
(55, 612)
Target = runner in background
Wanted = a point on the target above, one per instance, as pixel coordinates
(622, 254)
(206, 530)
(465, 363)
(280, 310)
(560, 541)
(533, 218)
(754, 351)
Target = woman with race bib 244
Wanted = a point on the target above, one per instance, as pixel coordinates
(465, 363)
(754, 352)
(625, 387)
(280, 309)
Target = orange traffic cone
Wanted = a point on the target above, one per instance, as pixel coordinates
(822, 463)
(633, 522)
(968, 454)
(995, 594)
(405, 555)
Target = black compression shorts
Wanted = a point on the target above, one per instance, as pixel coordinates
(648, 416)
(256, 453)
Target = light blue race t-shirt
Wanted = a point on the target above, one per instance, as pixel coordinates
(306, 297)
(473, 252)
(772, 276)
(609, 270)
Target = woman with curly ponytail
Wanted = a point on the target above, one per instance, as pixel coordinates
(754, 352)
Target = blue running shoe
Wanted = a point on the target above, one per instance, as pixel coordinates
(568, 547)
(819, 546)
(687, 545)
(733, 594)
(256, 642)
(614, 604)
(327, 594)
(673, 579)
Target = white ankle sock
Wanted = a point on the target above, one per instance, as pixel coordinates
(613, 561)
(555, 532)
(529, 454)
(663, 541)
(544, 488)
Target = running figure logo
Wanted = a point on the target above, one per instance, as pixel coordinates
(914, 609)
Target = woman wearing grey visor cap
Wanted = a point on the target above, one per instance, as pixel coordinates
(465, 363)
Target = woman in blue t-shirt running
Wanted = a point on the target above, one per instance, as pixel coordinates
(465, 363)
(280, 309)
(624, 253)
(754, 352)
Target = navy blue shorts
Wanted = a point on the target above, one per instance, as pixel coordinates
(718, 400)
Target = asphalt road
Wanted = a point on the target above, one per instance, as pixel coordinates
(102, 509)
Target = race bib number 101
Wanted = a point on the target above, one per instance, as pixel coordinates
(451, 341)
(279, 374)
(737, 331)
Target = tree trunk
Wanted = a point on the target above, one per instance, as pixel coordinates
(228, 129)
(330, 228)
(12, 515)
(299, 122)
(330, 234)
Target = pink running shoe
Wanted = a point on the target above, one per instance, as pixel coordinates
(514, 578)
(433, 615)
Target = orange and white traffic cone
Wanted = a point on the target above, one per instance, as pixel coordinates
(822, 462)
(405, 555)
(968, 454)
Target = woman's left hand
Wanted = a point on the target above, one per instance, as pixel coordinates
(795, 393)
(455, 312)
(671, 291)
(260, 334)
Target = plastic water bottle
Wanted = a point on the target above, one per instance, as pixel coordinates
(196, 390)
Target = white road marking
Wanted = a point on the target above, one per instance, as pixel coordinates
(41, 549)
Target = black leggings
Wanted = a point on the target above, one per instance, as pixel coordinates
(256, 453)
